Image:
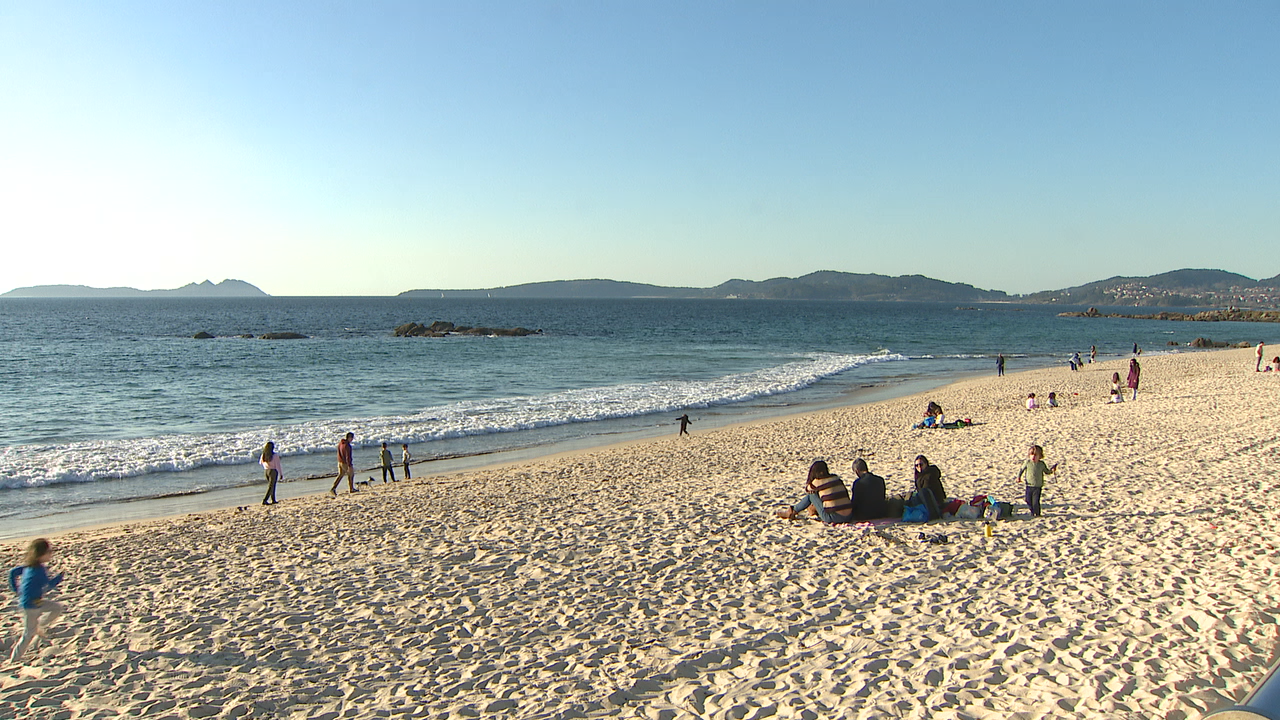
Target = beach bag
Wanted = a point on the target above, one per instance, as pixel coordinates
(968, 512)
(915, 513)
(1006, 510)
(953, 506)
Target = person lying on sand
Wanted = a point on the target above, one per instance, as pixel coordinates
(825, 496)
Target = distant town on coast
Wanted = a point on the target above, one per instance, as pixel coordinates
(1179, 288)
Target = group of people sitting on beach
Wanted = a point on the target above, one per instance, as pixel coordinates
(828, 498)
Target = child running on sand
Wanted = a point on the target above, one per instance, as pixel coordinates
(1032, 473)
(30, 580)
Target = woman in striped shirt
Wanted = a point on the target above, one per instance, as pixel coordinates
(825, 496)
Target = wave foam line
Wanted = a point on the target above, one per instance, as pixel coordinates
(40, 465)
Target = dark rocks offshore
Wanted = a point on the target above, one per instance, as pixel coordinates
(1233, 315)
(441, 328)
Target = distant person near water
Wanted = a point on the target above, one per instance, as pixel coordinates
(825, 496)
(1076, 362)
(1093, 354)
(684, 424)
(999, 365)
(30, 580)
(270, 462)
(346, 466)
(388, 467)
(1136, 350)
(406, 457)
(1135, 371)
(1032, 474)
(1258, 367)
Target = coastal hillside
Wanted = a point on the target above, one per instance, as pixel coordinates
(1180, 288)
(206, 289)
(822, 285)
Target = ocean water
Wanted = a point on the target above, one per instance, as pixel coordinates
(107, 402)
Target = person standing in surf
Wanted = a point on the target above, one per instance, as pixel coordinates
(388, 467)
(999, 365)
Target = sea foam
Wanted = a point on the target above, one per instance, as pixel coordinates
(40, 465)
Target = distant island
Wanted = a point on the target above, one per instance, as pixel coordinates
(1180, 288)
(822, 285)
(206, 289)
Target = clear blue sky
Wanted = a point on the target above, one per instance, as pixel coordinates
(366, 148)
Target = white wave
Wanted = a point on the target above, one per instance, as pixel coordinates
(38, 465)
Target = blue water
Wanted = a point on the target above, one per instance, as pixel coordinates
(108, 401)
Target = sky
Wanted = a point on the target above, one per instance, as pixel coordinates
(368, 148)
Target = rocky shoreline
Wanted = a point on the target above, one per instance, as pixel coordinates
(1230, 314)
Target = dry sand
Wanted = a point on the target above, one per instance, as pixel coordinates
(651, 581)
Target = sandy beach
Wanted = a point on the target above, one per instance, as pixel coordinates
(651, 580)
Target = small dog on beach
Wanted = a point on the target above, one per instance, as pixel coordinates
(364, 483)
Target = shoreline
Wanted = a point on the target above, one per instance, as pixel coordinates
(140, 510)
(649, 578)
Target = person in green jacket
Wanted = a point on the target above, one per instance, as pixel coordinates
(1032, 473)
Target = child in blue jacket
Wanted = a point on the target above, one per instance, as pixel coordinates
(30, 581)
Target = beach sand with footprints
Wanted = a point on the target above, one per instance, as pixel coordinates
(651, 579)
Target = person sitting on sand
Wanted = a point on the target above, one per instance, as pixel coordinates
(928, 485)
(1275, 364)
(933, 416)
(1116, 395)
(825, 496)
(1032, 403)
(1052, 401)
(868, 493)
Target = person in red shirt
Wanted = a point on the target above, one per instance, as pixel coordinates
(345, 465)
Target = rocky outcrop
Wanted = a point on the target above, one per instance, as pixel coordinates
(202, 335)
(282, 336)
(441, 328)
(1229, 315)
(1206, 343)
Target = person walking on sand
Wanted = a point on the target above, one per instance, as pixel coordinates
(270, 462)
(1032, 474)
(999, 365)
(346, 466)
(31, 580)
(1258, 367)
(406, 457)
(1135, 371)
(387, 464)
(825, 496)
(684, 424)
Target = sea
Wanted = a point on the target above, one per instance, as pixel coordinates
(113, 411)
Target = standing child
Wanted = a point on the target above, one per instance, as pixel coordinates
(387, 467)
(404, 452)
(1032, 473)
(30, 581)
